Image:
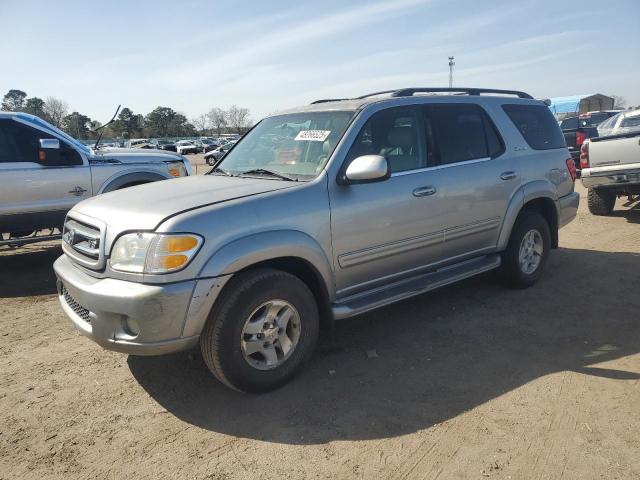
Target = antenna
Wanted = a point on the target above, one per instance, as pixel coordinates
(451, 64)
(101, 127)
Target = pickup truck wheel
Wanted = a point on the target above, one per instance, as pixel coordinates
(527, 252)
(600, 202)
(260, 331)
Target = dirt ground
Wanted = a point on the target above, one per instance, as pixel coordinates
(471, 381)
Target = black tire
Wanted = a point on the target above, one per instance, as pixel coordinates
(220, 341)
(511, 272)
(600, 202)
(211, 161)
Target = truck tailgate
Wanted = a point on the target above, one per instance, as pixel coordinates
(618, 150)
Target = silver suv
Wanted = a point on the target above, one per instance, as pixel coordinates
(319, 213)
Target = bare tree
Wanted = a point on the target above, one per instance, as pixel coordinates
(56, 110)
(238, 118)
(619, 102)
(201, 123)
(218, 119)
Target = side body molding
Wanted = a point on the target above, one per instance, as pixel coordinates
(260, 247)
(526, 193)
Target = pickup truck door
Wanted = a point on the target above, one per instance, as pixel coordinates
(38, 186)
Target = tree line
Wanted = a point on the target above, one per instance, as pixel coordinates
(161, 122)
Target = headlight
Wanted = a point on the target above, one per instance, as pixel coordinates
(154, 252)
(177, 169)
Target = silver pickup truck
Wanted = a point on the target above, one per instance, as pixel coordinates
(610, 162)
(44, 172)
(320, 213)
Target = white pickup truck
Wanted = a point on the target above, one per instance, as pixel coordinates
(610, 162)
(44, 172)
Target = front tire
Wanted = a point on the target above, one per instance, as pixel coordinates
(600, 202)
(527, 252)
(261, 330)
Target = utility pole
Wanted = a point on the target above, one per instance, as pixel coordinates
(451, 64)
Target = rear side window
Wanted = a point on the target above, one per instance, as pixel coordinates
(537, 125)
(460, 133)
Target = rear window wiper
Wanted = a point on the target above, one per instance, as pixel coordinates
(271, 173)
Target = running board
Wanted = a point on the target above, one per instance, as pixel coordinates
(410, 287)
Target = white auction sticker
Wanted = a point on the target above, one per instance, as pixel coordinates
(313, 135)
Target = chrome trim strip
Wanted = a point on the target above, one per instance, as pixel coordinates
(402, 246)
(440, 167)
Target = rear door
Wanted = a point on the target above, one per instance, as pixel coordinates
(38, 186)
(473, 175)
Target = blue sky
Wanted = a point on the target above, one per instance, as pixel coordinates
(267, 56)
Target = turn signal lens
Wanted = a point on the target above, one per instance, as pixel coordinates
(177, 244)
(171, 262)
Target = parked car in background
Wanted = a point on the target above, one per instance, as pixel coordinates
(217, 153)
(321, 213)
(166, 145)
(184, 147)
(581, 127)
(209, 144)
(611, 162)
(44, 172)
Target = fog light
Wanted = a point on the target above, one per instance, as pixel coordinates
(130, 326)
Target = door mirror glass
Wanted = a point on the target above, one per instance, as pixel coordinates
(49, 144)
(367, 168)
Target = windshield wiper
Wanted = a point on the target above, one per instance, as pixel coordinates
(263, 171)
(220, 170)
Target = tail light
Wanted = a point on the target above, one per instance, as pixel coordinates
(580, 138)
(571, 166)
(584, 155)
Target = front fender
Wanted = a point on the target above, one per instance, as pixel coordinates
(121, 179)
(260, 247)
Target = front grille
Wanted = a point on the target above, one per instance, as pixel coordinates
(79, 310)
(83, 242)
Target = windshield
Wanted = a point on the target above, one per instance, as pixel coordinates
(625, 122)
(297, 145)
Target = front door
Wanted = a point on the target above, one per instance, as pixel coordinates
(384, 229)
(37, 187)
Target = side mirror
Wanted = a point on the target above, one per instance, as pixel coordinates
(49, 144)
(367, 168)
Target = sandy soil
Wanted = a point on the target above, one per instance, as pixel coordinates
(471, 381)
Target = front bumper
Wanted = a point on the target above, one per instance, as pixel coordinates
(610, 178)
(130, 317)
(568, 208)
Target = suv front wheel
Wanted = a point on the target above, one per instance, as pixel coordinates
(261, 330)
(527, 252)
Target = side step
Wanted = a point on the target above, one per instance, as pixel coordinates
(410, 287)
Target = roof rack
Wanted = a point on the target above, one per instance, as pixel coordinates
(325, 100)
(407, 92)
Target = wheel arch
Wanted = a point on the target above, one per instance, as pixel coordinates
(539, 196)
(130, 178)
(290, 251)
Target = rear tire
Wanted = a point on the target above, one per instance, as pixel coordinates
(600, 202)
(235, 338)
(527, 252)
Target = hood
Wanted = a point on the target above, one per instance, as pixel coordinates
(135, 155)
(144, 207)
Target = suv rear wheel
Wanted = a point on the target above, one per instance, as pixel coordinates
(261, 330)
(600, 202)
(527, 252)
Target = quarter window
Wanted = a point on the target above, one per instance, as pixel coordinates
(392, 133)
(460, 133)
(537, 125)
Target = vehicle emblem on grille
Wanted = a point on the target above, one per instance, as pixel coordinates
(69, 236)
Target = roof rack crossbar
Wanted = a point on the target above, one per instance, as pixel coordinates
(407, 92)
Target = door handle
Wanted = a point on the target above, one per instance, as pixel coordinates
(77, 191)
(424, 191)
(508, 175)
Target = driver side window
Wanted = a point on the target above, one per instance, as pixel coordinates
(21, 144)
(392, 133)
